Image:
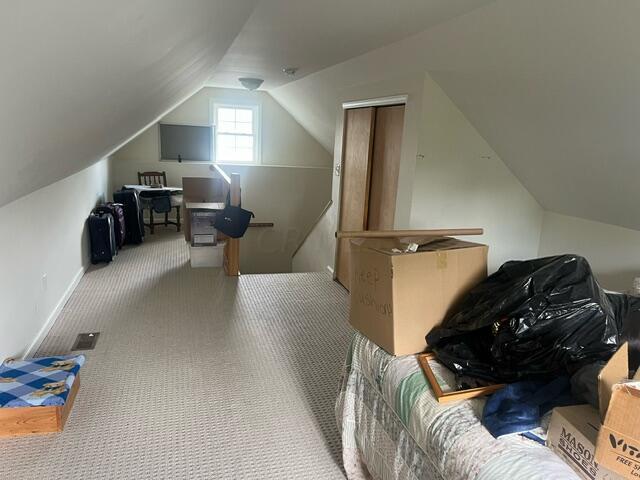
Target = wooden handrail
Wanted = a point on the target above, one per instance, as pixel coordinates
(221, 172)
(458, 232)
(313, 226)
(232, 247)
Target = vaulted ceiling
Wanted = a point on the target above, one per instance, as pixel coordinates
(550, 84)
(79, 77)
(312, 35)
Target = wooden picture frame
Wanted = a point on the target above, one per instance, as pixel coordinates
(445, 397)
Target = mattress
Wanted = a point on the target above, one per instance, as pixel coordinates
(392, 427)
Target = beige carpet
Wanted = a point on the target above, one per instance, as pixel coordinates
(195, 375)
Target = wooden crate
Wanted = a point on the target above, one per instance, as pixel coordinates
(35, 420)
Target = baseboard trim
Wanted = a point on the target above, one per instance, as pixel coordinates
(44, 331)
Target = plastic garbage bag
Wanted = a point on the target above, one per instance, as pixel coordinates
(533, 319)
(584, 384)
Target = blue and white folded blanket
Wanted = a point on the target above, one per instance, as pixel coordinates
(38, 382)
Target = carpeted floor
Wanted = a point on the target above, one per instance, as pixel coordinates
(195, 375)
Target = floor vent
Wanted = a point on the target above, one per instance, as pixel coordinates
(86, 341)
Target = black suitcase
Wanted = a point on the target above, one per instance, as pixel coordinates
(103, 237)
(117, 212)
(134, 223)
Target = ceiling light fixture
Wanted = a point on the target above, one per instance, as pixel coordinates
(251, 83)
(289, 71)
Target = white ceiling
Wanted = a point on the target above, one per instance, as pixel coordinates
(79, 77)
(552, 85)
(312, 35)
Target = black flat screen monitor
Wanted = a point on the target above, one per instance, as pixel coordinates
(185, 143)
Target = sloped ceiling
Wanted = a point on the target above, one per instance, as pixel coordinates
(312, 35)
(552, 85)
(79, 78)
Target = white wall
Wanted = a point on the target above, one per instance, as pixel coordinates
(290, 188)
(291, 198)
(284, 141)
(612, 251)
(318, 250)
(445, 179)
(461, 182)
(334, 86)
(44, 233)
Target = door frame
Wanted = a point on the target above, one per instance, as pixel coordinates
(401, 99)
(376, 102)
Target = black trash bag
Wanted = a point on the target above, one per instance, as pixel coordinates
(532, 319)
(628, 308)
(584, 384)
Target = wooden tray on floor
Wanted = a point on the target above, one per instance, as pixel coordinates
(35, 420)
(444, 397)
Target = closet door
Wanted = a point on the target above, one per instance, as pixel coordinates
(357, 148)
(385, 164)
(370, 165)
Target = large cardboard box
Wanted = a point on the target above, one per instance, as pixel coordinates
(572, 435)
(618, 445)
(397, 297)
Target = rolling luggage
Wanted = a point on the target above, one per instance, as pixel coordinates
(103, 237)
(134, 223)
(117, 212)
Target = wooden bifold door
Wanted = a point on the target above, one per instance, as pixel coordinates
(370, 164)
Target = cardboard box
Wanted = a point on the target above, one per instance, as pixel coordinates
(200, 189)
(572, 435)
(618, 445)
(398, 297)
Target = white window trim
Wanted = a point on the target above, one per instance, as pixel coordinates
(257, 133)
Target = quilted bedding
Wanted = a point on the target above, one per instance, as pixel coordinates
(393, 428)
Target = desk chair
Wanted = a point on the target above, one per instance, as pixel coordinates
(152, 178)
(157, 201)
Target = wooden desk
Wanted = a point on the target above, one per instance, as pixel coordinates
(146, 188)
(147, 193)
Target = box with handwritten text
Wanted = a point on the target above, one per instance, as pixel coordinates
(402, 288)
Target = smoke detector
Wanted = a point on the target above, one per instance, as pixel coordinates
(250, 83)
(289, 71)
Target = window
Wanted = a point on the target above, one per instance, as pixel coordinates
(237, 129)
